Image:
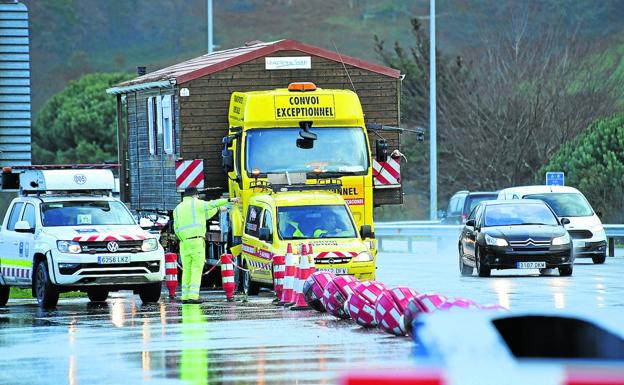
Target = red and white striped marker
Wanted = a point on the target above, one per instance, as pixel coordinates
(311, 260)
(387, 173)
(189, 173)
(227, 276)
(171, 273)
(303, 272)
(278, 275)
(289, 278)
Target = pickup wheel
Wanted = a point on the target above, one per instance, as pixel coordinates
(4, 295)
(46, 292)
(97, 295)
(150, 292)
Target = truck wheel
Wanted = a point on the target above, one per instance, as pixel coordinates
(46, 292)
(4, 295)
(249, 287)
(97, 295)
(599, 259)
(150, 292)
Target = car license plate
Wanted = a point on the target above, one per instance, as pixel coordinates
(335, 270)
(578, 244)
(112, 259)
(531, 265)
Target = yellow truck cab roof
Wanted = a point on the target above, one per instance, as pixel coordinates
(299, 198)
(284, 108)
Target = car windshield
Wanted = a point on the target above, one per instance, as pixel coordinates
(327, 221)
(340, 150)
(474, 200)
(566, 204)
(518, 214)
(85, 213)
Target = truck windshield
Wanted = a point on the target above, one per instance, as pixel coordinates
(274, 150)
(305, 222)
(85, 213)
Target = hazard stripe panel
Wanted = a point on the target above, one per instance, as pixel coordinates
(189, 173)
(335, 254)
(109, 237)
(387, 173)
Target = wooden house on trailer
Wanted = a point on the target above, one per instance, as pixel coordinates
(181, 112)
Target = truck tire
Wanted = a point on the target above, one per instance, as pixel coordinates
(46, 292)
(4, 295)
(97, 295)
(150, 292)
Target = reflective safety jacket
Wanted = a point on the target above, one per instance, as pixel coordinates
(190, 216)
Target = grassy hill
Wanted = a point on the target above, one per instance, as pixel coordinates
(74, 37)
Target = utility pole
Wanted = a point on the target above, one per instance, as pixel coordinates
(433, 144)
(209, 25)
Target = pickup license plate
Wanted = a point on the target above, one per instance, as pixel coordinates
(335, 270)
(531, 265)
(112, 259)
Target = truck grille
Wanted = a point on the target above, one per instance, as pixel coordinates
(100, 247)
(580, 234)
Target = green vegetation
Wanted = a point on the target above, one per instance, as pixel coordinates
(594, 163)
(78, 125)
(18, 293)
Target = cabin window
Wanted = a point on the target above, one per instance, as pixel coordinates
(151, 124)
(167, 124)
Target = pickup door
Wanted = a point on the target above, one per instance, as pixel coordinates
(15, 247)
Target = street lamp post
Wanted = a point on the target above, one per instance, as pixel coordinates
(433, 150)
(209, 26)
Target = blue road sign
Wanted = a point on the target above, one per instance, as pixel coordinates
(555, 178)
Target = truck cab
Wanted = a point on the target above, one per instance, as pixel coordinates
(65, 232)
(321, 219)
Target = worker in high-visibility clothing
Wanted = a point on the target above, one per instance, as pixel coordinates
(189, 224)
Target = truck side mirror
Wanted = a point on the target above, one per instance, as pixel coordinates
(23, 227)
(381, 150)
(227, 155)
(264, 234)
(366, 232)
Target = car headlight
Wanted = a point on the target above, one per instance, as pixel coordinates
(597, 229)
(491, 241)
(364, 256)
(68, 247)
(150, 244)
(565, 239)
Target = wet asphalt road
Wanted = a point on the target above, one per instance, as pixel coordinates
(124, 342)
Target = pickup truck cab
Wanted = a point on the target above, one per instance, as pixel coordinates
(318, 218)
(78, 238)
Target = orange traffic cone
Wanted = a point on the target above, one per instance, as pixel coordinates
(171, 273)
(312, 264)
(278, 275)
(304, 273)
(227, 276)
(289, 278)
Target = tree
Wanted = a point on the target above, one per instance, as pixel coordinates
(594, 163)
(78, 125)
(506, 107)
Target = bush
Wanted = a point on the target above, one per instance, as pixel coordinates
(594, 164)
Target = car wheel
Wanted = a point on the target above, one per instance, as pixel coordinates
(482, 271)
(599, 259)
(46, 292)
(4, 294)
(565, 271)
(150, 292)
(97, 294)
(249, 286)
(464, 269)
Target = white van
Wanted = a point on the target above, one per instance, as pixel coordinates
(585, 228)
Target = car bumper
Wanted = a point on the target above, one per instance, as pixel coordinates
(504, 258)
(363, 271)
(588, 248)
(84, 269)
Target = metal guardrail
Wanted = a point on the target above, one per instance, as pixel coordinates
(432, 229)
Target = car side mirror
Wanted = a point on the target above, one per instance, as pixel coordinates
(565, 221)
(23, 227)
(264, 234)
(366, 231)
(381, 150)
(471, 223)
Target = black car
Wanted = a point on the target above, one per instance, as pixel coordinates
(462, 203)
(514, 234)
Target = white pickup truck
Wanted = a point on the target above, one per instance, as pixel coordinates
(65, 232)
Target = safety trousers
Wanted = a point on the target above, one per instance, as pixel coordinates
(193, 253)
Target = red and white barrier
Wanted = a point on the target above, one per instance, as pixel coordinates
(313, 288)
(289, 278)
(171, 273)
(303, 273)
(109, 237)
(278, 275)
(336, 294)
(361, 304)
(227, 276)
(388, 173)
(390, 308)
